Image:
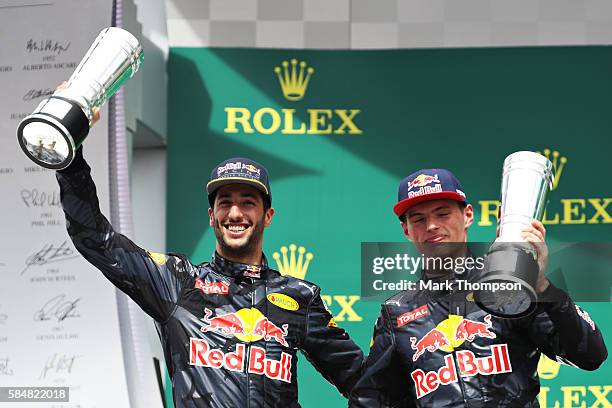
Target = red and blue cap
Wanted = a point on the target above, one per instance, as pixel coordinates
(239, 170)
(425, 185)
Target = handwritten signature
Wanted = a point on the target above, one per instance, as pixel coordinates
(35, 198)
(4, 367)
(57, 308)
(46, 46)
(50, 253)
(57, 364)
(37, 93)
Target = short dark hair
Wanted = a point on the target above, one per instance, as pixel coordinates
(461, 204)
(266, 200)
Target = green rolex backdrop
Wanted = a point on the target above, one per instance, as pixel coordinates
(337, 130)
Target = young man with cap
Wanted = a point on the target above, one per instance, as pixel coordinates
(230, 328)
(434, 347)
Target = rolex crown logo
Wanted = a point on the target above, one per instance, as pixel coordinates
(294, 80)
(292, 265)
(558, 163)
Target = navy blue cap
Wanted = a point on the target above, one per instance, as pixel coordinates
(239, 170)
(425, 185)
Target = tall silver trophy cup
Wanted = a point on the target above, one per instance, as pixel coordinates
(60, 123)
(527, 179)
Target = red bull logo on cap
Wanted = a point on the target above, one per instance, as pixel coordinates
(237, 166)
(251, 168)
(229, 166)
(246, 325)
(422, 180)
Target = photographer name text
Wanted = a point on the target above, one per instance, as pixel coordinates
(450, 285)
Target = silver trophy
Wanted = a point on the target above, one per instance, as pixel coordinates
(60, 123)
(527, 179)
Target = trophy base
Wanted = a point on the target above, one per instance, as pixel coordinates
(509, 263)
(50, 136)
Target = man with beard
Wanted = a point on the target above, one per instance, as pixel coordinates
(434, 347)
(231, 327)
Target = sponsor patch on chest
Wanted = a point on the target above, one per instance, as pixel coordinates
(412, 315)
(467, 365)
(214, 287)
(201, 354)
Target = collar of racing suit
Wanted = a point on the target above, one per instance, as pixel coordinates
(239, 269)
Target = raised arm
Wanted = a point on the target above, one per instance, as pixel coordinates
(153, 281)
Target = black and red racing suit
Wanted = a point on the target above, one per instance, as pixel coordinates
(230, 331)
(437, 348)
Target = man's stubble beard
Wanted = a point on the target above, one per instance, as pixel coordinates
(248, 248)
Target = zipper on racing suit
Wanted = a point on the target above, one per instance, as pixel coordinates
(457, 369)
(248, 348)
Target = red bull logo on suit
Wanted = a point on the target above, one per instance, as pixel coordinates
(448, 335)
(247, 325)
(467, 365)
(202, 355)
(228, 323)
